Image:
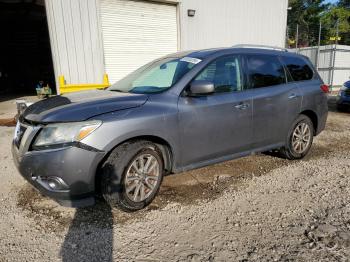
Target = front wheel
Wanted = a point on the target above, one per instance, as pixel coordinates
(132, 175)
(299, 139)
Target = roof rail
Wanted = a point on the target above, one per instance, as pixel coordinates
(261, 46)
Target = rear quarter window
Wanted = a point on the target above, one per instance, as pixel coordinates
(298, 68)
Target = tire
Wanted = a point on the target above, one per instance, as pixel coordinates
(123, 171)
(292, 151)
(341, 108)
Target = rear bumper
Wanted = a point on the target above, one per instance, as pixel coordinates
(76, 167)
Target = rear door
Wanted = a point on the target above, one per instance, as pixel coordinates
(219, 124)
(309, 82)
(276, 102)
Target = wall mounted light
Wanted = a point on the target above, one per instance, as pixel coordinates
(191, 12)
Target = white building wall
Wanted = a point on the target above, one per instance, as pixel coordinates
(221, 23)
(76, 42)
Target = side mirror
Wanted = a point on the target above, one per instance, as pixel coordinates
(201, 88)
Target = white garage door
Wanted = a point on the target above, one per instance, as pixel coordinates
(134, 33)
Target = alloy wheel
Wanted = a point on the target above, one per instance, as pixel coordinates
(142, 177)
(301, 137)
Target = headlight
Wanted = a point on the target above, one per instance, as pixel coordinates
(55, 134)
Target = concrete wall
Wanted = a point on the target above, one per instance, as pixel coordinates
(76, 42)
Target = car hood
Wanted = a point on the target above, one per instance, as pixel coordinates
(81, 106)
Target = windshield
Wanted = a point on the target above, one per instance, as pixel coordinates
(156, 76)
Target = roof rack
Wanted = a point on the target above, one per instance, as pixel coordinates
(261, 46)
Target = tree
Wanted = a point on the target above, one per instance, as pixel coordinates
(306, 14)
(344, 3)
(346, 35)
(337, 17)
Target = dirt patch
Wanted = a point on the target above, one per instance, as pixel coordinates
(42, 210)
(334, 127)
(8, 122)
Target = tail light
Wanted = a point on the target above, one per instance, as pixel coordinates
(325, 88)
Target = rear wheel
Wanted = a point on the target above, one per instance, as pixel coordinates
(299, 139)
(132, 175)
(341, 108)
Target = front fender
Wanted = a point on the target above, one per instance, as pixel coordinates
(135, 123)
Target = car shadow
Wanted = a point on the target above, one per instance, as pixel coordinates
(90, 235)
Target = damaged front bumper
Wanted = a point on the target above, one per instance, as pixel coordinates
(66, 175)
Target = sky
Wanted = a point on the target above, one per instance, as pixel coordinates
(331, 1)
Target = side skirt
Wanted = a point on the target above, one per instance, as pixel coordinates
(226, 158)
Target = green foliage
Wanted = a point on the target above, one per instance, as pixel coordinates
(306, 14)
(309, 13)
(344, 3)
(337, 17)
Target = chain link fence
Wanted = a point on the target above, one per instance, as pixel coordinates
(326, 48)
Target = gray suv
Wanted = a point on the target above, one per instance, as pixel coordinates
(183, 111)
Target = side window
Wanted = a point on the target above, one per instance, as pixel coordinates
(265, 70)
(225, 73)
(298, 68)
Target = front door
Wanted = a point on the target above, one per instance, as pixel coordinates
(219, 124)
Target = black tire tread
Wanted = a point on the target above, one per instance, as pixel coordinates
(120, 158)
(286, 151)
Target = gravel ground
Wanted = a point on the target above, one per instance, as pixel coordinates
(259, 208)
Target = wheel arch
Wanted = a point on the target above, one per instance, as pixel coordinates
(163, 145)
(313, 117)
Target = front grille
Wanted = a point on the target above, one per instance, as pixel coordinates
(19, 135)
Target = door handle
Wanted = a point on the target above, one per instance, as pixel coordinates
(293, 95)
(242, 106)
